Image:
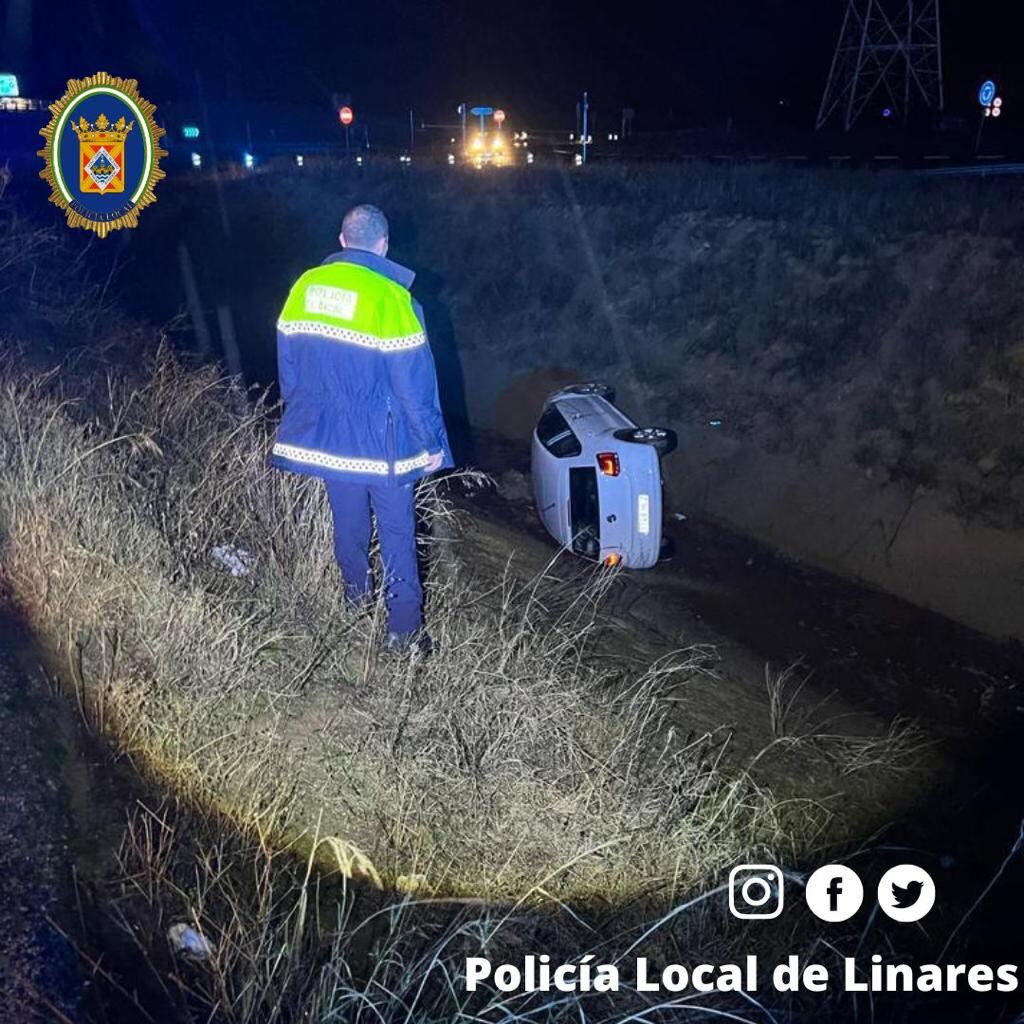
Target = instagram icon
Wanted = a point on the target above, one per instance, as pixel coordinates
(755, 891)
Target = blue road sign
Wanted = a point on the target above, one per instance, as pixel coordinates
(987, 93)
(482, 111)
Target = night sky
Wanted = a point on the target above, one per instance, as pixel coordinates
(701, 60)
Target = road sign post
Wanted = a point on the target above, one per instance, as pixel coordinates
(991, 106)
(346, 115)
(482, 112)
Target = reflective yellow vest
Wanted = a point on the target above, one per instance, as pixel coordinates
(357, 376)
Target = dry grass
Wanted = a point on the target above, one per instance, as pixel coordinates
(897, 749)
(512, 764)
(287, 944)
(491, 798)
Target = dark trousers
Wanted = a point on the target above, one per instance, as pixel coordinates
(394, 508)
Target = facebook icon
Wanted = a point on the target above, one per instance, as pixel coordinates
(834, 892)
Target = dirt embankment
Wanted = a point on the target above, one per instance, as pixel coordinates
(842, 354)
(861, 412)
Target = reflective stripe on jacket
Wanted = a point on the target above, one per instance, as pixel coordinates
(357, 376)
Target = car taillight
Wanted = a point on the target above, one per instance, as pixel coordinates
(608, 463)
(612, 560)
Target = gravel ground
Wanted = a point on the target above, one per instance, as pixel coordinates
(39, 977)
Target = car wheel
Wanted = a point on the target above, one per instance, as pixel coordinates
(660, 438)
(605, 391)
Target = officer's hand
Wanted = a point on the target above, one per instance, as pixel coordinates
(434, 462)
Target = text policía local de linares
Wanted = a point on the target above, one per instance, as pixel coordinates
(538, 974)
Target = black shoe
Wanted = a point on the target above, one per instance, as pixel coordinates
(414, 643)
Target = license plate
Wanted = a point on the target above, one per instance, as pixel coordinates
(643, 513)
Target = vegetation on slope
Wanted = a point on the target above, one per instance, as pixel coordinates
(510, 762)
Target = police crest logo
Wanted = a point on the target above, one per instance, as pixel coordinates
(102, 158)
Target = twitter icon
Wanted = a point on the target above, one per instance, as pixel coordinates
(906, 892)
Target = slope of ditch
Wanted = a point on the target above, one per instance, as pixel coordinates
(840, 352)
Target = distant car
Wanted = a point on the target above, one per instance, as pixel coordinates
(597, 477)
(489, 148)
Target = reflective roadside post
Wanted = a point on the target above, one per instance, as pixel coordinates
(586, 110)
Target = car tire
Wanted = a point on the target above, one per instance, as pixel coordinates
(605, 391)
(661, 439)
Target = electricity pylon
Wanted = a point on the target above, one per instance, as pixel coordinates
(889, 50)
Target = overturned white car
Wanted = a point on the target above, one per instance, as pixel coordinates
(597, 477)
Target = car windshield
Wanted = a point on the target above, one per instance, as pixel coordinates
(584, 512)
(556, 435)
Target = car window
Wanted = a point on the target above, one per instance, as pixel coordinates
(556, 435)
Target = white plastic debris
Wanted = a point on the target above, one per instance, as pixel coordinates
(185, 939)
(678, 515)
(237, 561)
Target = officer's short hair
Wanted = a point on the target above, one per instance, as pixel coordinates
(364, 226)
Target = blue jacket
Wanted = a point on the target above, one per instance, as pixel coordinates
(357, 376)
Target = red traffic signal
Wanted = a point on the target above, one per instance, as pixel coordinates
(346, 116)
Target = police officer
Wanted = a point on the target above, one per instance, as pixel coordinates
(361, 411)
